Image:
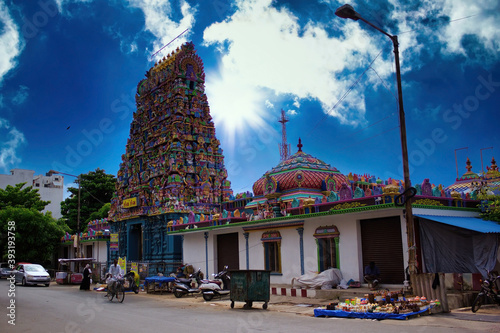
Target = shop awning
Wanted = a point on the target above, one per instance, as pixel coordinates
(469, 223)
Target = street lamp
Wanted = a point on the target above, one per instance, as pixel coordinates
(78, 254)
(348, 12)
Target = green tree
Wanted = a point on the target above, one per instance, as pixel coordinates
(37, 235)
(101, 213)
(96, 189)
(33, 235)
(16, 196)
(491, 203)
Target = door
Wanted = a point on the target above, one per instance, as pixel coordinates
(228, 253)
(381, 243)
(89, 252)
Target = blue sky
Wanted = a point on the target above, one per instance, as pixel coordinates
(69, 70)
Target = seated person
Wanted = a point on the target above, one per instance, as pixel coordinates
(372, 275)
(180, 273)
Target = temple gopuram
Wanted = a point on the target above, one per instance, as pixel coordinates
(173, 165)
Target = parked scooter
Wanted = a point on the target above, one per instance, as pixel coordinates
(489, 289)
(213, 288)
(183, 286)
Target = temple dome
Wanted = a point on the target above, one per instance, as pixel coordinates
(471, 181)
(300, 173)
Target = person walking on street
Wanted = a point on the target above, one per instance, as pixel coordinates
(85, 285)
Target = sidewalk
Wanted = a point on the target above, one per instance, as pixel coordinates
(306, 305)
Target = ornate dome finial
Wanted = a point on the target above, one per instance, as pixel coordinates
(300, 145)
(494, 166)
(468, 167)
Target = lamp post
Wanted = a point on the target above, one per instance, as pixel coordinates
(348, 12)
(78, 254)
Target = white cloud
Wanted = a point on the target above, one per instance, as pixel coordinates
(269, 105)
(133, 47)
(11, 44)
(158, 15)
(266, 54)
(61, 3)
(21, 95)
(484, 24)
(479, 18)
(11, 139)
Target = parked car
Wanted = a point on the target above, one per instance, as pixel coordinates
(5, 270)
(31, 274)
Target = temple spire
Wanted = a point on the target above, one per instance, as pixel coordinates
(284, 146)
(469, 166)
(300, 145)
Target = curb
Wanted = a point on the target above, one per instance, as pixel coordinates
(292, 292)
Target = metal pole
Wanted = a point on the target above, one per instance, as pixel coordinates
(347, 12)
(78, 214)
(206, 251)
(482, 167)
(78, 254)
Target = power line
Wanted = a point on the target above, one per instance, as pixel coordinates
(437, 24)
(356, 143)
(345, 94)
(383, 83)
(373, 124)
(152, 56)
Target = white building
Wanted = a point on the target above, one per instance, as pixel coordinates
(50, 187)
(359, 220)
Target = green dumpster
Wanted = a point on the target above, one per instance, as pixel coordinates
(250, 286)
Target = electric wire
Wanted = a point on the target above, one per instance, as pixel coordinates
(434, 25)
(374, 136)
(345, 94)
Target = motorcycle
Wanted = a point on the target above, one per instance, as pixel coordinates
(183, 286)
(489, 290)
(213, 288)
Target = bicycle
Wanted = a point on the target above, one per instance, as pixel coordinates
(117, 290)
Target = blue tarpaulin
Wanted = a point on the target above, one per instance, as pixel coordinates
(469, 223)
(364, 315)
(159, 279)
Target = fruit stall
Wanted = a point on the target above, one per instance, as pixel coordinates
(381, 305)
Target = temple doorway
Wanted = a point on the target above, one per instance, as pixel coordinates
(228, 251)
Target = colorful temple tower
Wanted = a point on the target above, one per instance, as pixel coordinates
(173, 164)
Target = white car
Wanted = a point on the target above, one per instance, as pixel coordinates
(31, 274)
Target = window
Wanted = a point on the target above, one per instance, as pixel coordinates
(327, 253)
(272, 251)
(327, 238)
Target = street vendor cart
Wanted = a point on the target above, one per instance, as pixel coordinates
(68, 270)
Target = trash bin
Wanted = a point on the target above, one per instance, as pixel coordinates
(250, 286)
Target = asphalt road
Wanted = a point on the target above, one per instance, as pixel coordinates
(67, 309)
